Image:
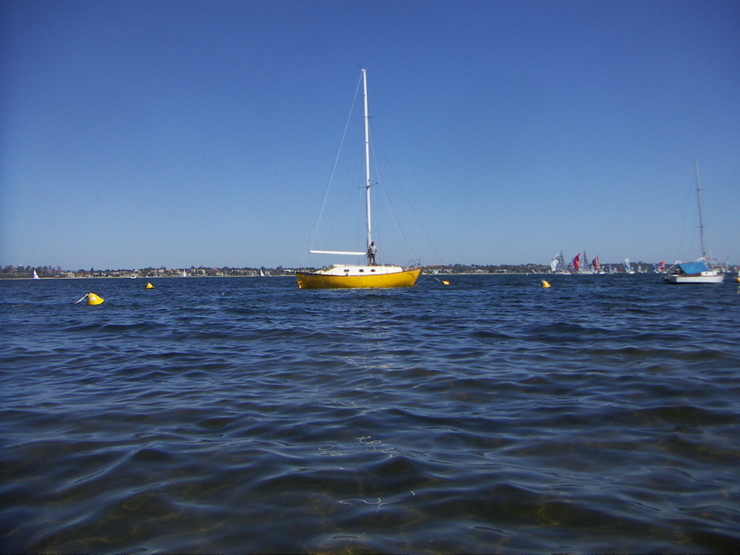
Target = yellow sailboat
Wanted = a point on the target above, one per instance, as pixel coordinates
(352, 276)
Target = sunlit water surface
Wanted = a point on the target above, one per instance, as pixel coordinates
(244, 415)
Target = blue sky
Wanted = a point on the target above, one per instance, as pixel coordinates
(178, 134)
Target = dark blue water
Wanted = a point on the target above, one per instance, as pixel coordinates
(244, 415)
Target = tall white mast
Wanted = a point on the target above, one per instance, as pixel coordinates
(701, 216)
(367, 162)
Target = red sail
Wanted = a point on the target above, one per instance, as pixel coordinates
(577, 262)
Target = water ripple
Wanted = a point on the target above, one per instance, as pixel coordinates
(244, 415)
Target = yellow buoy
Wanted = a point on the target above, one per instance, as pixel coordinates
(737, 279)
(545, 283)
(92, 298)
(149, 285)
(445, 282)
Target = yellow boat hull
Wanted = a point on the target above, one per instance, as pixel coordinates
(405, 278)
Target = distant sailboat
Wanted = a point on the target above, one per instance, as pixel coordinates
(580, 264)
(557, 265)
(576, 263)
(35, 275)
(698, 271)
(627, 268)
(596, 265)
(585, 265)
(352, 276)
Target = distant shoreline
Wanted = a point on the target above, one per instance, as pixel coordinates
(272, 276)
(46, 272)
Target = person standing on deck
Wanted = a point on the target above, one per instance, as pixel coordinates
(371, 252)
